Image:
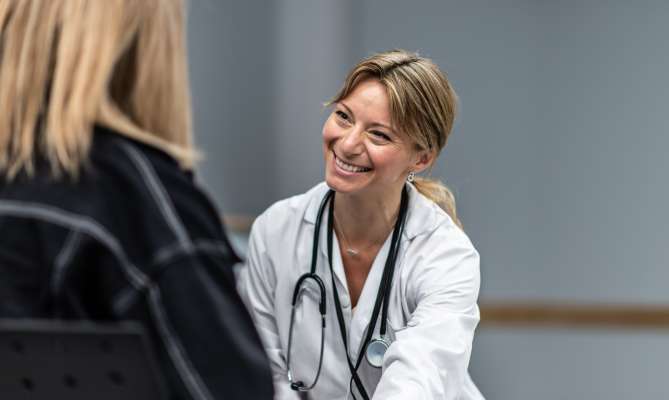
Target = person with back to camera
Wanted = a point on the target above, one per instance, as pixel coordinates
(366, 286)
(100, 218)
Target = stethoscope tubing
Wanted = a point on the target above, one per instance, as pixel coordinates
(299, 385)
(381, 303)
(384, 290)
(311, 275)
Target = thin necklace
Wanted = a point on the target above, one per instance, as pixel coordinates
(351, 251)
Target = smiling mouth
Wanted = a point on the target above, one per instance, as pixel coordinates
(349, 167)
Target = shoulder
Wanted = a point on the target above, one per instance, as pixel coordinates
(146, 193)
(439, 253)
(293, 211)
(446, 246)
(114, 156)
(428, 223)
(134, 165)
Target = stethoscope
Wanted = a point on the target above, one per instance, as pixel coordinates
(374, 348)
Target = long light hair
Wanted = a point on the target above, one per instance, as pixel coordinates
(423, 106)
(68, 65)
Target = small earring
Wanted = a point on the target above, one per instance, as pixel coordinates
(411, 176)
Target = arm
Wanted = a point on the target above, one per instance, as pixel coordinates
(429, 358)
(257, 283)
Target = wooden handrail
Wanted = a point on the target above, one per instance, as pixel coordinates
(238, 222)
(570, 315)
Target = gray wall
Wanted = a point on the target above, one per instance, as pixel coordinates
(533, 364)
(231, 64)
(557, 158)
(605, 107)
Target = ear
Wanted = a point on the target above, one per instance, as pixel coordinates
(424, 159)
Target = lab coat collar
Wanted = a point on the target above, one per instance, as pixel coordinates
(423, 214)
(315, 197)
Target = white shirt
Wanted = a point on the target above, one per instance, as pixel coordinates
(432, 312)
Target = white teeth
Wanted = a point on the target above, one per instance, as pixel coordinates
(350, 168)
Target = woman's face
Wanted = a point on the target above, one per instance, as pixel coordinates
(363, 154)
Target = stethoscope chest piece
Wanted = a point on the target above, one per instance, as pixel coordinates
(376, 351)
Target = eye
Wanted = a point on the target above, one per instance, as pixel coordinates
(342, 115)
(380, 135)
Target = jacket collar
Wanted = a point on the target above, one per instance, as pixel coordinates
(423, 214)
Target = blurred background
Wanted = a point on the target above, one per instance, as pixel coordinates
(558, 160)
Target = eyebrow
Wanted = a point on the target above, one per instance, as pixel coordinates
(373, 123)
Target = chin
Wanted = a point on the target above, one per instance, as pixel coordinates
(341, 186)
(335, 184)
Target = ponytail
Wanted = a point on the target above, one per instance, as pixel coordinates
(440, 194)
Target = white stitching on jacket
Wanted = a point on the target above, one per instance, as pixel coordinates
(158, 193)
(211, 247)
(62, 261)
(167, 254)
(136, 277)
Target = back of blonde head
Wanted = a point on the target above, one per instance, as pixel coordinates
(67, 65)
(423, 105)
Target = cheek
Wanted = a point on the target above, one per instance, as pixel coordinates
(329, 131)
(328, 138)
(389, 159)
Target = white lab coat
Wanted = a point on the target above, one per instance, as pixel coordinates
(432, 312)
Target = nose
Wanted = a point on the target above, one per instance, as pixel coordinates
(351, 143)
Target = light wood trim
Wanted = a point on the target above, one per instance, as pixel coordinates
(238, 222)
(518, 314)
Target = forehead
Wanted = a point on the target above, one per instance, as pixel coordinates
(369, 100)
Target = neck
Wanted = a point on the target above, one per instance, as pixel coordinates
(366, 219)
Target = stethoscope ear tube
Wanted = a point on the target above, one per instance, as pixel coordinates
(317, 230)
(392, 260)
(299, 385)
(321, 288)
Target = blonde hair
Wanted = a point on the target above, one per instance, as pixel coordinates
(68, 65)
(423, 105)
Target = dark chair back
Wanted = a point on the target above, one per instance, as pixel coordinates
(55, 360)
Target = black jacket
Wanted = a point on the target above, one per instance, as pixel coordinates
(133, 239)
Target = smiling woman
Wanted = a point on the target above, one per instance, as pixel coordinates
(320, 267)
